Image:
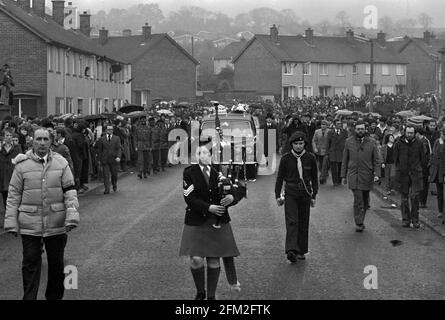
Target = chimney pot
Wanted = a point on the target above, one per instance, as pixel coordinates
(350, 35)
(381, 38)
(146, 31)
(103, 36)
(427, 36)
(38, 7)
(309, 34)
(59, 12)
(84, 23)
(274, 33)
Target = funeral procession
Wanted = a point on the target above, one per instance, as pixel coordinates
(240, 151)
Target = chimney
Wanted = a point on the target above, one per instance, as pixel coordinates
(427, 36)
(309, 34)
(24, 4)
(59, 12)
(350, 35)
(38, 7)
(146, 31)
(84, 23)
(103, 36)
(126, 33)
(381, 38)
(274, 33)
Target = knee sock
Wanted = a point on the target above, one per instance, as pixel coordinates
(199, 278)
(212, 281)
(229, 266)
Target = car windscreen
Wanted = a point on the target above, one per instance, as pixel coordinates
(239, 128)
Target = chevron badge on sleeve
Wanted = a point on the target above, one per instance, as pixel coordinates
(188, 189)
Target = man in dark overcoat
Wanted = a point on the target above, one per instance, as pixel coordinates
(336, 144)
(110, 153)
(409, 158)
(361, 165)
(298, 169)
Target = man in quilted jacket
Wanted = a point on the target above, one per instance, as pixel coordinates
(42, 207)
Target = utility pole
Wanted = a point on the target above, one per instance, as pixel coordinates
(371, 80)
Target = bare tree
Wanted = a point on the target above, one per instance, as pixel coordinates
(342, 17)
(425, 20)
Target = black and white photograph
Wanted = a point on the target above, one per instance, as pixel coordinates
(244, 151)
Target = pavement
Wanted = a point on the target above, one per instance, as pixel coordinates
(127, 244)
(427, 216)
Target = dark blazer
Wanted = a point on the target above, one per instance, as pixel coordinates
(437, 168)
(336, 144)
(266, 129)
(199, 196)
(109, 150)
(6, 166)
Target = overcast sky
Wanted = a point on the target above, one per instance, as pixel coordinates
(312, 10)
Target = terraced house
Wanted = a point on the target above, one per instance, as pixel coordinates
(279, 67)
(58, 71)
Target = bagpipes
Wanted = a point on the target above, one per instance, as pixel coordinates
(229, 183)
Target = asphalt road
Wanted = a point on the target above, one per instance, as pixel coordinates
(127, 248)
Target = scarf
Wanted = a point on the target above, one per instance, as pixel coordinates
(299, 164)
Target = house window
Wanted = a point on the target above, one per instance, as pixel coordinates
(387, 89)
(385, 70)
(60, 106)
(61, 60)
(400, 70)
(324, 91)
(323, 69)
(307, 68)
(368, 68)
(50, 58)
(288, 92)
(400, 89)
(288, 68)
(69, 105)
(354, 69)
(340, 70)
(308, 92)
(57, 60)
(340, 90)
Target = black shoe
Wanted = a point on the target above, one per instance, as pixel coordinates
(292, 256)
(359, 228)
(140, 176)
(106, 191)
(301, 257)
(416, 225)
(114, 188)
(200, 296)
(211, 298)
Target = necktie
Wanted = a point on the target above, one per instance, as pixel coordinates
(206, 174)
(300, 167)
(109, 138)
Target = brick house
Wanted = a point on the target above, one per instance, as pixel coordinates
(161, 67)
(273, 65)
(423, 56)
(224, 59)
(58, 71)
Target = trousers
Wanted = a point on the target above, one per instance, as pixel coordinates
(297, 211)
(144, 160)
(361, 203)
(32, 263)
(336, 171)
(410, 214)
(110, 167)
